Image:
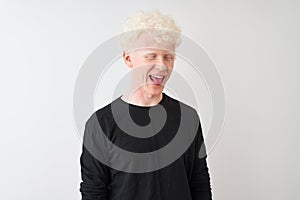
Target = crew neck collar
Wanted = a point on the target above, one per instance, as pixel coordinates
(139, 106)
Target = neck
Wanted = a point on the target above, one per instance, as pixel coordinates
(142, 98)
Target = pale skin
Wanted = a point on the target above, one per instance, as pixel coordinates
(148, 58)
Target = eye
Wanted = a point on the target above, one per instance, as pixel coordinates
(169, 57)
(150, 57)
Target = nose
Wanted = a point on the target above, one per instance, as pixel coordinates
(160, 67)
(160, 64)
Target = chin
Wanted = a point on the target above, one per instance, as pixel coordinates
(154, 89)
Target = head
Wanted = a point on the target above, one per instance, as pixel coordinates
(149, 41)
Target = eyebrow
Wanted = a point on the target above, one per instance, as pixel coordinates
(149, 53)
(153, 53)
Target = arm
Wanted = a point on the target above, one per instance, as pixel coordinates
(94, 174)
(200, 180)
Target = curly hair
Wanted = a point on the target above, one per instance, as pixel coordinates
(162, 28)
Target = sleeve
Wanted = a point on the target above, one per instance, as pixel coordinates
(94, 174)
(200, 180)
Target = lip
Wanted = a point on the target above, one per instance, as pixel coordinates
(163, 76)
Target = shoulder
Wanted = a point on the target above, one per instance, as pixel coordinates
(188, 109)
(101, 115)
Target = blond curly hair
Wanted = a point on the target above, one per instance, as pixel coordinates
(162, 28)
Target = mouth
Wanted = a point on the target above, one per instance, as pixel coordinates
(157, 79)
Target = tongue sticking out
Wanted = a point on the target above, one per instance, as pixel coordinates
(156, 80)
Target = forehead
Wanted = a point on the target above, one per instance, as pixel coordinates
(146, 42)
(152, 50)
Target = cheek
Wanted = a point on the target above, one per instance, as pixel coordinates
(140, 73)
(138, 60)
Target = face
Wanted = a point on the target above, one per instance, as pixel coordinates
(151, 67)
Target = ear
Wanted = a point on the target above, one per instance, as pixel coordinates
(127, 59)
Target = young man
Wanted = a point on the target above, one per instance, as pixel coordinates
(135, 123)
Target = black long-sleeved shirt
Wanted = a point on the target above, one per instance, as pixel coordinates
(187, 178)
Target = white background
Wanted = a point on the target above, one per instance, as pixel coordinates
(254, 45)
